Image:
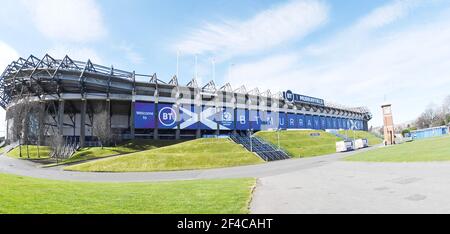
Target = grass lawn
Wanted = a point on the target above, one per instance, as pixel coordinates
(125, 148)
(433, 149)
(301, 144)
(373, 140)
(195, 154)
(44, 152)
(37, 196)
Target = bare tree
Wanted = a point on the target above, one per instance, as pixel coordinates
(21, 123)
(57, 145)
(446, 110)
(102, 129)
(429, 118)
(36, 120)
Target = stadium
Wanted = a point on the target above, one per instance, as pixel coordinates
(73, 93)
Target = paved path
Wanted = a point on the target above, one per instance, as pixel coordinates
(354, 187)
(26, 168)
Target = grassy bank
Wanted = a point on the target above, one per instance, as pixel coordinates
(301, 143)
(195, 154)
(132, 146)
(44, 152)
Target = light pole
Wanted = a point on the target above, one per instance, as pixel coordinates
(278, 136)
(251, 143)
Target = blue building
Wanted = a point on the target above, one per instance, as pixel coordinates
(430, 132)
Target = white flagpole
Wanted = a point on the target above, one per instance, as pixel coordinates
(178, 55)
(214, 70)
(196, 72)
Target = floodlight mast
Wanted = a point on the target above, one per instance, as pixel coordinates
(178, 64)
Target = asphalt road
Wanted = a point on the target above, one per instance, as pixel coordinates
(353, 187)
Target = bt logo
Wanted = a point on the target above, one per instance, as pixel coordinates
(167, 116)
(289, 96)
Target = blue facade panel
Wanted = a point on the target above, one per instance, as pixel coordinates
(167, 116)
(329, 123)
(188, 116)
(208, 118)
(323, 123)
(316, 122)
(144, 115)
(255, 121)
(272, 120)
(282, 120)
(301, 122)
(334, 121)
(242, 117)
(292, 121)
(225, 118)
(309, 122)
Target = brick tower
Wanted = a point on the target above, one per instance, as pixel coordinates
(388, 125)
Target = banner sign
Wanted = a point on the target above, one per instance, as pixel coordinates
(293, 97)
(309, 122)
(316, 120)
(334, 123)
(188, 117)
(323, 123)
(167, 116)
(329, 123)
(208, 118)
(282, 121)
(292, 121)
(254, 119)
(242, 117)
(272, 120)
(144, 115)
(301, 121)
(225, 118)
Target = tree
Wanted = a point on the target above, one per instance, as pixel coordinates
(57, 145)
(27, 122)
(406, 131)
(429, 118)
(102, 129)
(36, 120)
(446, 110)
(21, 122)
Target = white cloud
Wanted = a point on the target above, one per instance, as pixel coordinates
(409, 66)
(130, 53)
(358, 34)
(269, 28)
(386, 14)
(7, 55)
(75, 53)
(68, 20)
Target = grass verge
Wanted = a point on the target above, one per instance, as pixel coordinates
(24, 195)
(433, 149)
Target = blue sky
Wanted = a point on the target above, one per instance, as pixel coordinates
(351, 52)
